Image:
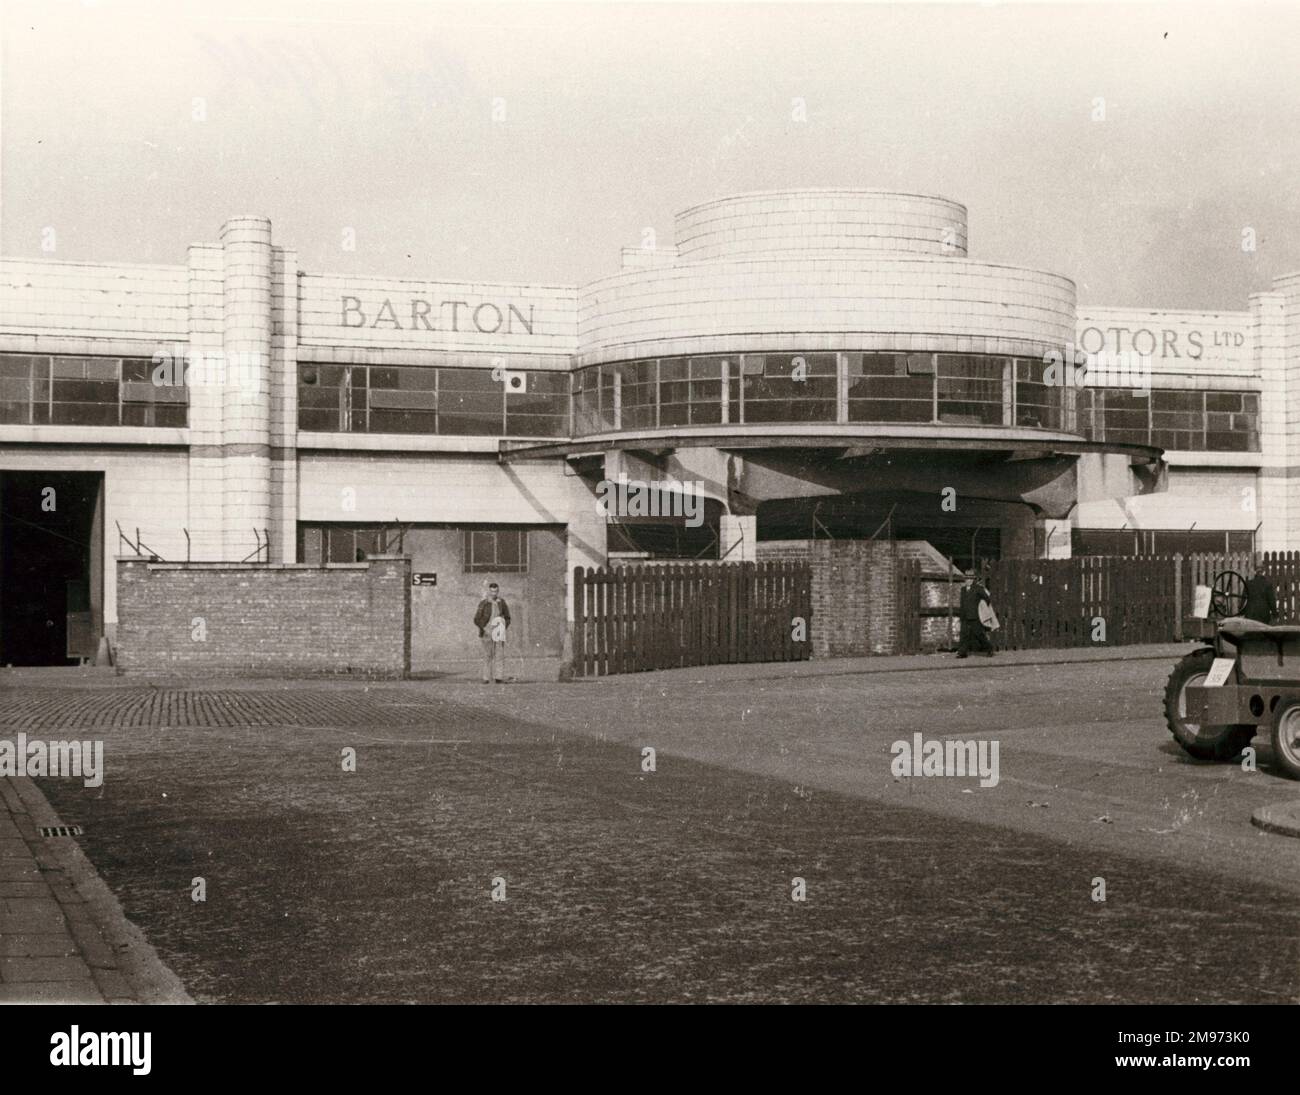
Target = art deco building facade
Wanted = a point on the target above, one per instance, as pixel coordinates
(820, 363)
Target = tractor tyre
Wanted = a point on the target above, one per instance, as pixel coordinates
(1286, 738)
(1201, 742)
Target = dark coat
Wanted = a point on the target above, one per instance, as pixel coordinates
(1261, 601)
(971, 596)
(483, 614)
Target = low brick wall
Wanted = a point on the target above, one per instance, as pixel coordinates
(854, 598)
(774, 551)
(272, 620)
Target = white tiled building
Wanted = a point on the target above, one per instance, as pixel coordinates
(819, 362)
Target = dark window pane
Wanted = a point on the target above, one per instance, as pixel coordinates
(85, 391)
(1187, 402)
(86, 368)
(460, 425)
(317, 420)
(16, 365)
(537, 425)
(387, 421)
(508, 549)
(465, 380)
(139, 369)
(398, 400)
(84, 414)
(171, 414)
(547, 383)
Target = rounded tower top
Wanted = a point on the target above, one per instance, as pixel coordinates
(802, 223)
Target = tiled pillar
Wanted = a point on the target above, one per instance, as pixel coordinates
(1272, 492)
(206, 396)
(1289, 288)
(284, 407)
(247, 264)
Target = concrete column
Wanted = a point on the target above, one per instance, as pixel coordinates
(1054, 536)
(737, 536)
(246, 406)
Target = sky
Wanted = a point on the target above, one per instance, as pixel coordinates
(1132, 148)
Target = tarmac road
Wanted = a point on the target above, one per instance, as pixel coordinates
(1084, 754)
(675, 885)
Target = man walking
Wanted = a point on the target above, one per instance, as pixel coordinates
(977, 619)
(492, 618)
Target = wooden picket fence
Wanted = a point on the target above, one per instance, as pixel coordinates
(1137, 598)
(634, 618)
(1085, 601)
(1283, 567)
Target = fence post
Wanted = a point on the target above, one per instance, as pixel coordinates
(1178, 598)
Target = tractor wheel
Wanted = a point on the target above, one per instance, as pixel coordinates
(1286, 738)
(1202, 742)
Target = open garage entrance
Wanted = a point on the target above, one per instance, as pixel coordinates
(51, 566)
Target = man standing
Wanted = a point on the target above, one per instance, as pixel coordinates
(1261, 600)
(976, 616)
(492, 617)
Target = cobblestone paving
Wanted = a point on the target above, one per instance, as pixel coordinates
(55, 710)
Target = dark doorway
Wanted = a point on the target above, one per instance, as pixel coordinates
(46, 552)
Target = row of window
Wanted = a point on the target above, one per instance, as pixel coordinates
(483, 551)
(87, 391)
(425, 400)
(958, 389)
(962, 389)
(1192, 421)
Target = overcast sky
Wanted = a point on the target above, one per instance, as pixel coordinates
(378, 117)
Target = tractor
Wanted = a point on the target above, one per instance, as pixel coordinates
(1245, 677)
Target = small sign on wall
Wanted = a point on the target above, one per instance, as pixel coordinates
(424, 578)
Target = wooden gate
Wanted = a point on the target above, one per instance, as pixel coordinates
(909, 607)
(630, 619)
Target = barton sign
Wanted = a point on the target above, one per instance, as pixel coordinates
(428, 314)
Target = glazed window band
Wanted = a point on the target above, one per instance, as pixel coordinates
(735, 389)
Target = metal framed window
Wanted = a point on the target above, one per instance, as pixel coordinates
(498, 551)
(88, 391)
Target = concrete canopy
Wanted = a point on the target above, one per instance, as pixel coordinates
(743, 466)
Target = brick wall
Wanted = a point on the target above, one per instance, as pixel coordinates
(264, 620)
(773, 551)
(854, 598)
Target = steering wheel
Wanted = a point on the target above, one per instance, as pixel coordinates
(1228, 594)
